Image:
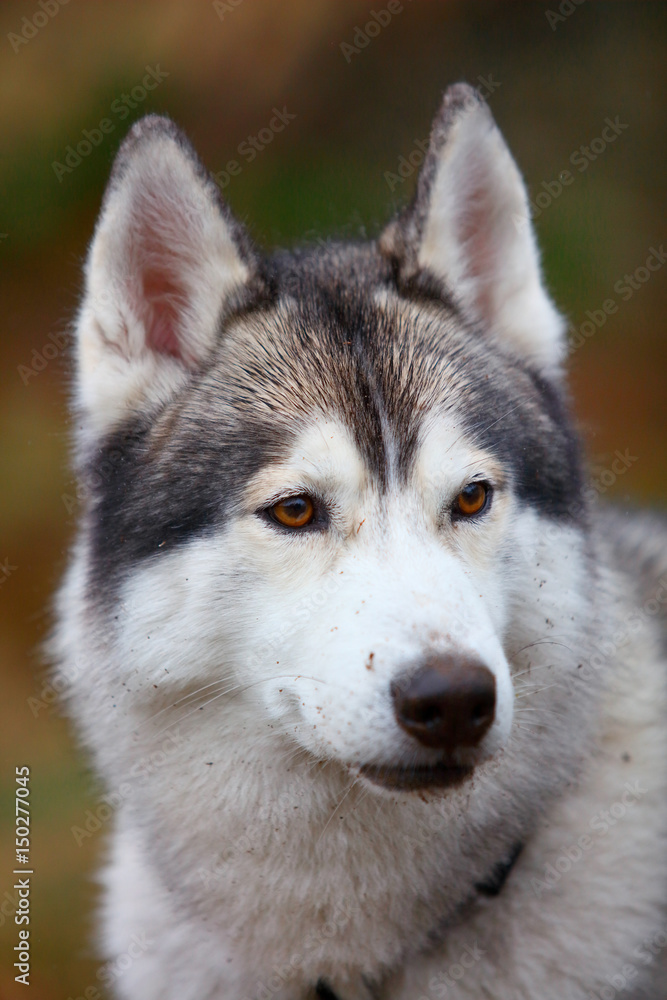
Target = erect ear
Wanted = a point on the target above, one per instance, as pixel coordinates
(469, 228)
(166, 262)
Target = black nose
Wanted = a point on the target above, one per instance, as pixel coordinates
(449, 702)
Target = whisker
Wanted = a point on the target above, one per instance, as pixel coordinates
(365, 792)
(530, 670)
(187, 715)
(186, 697)
(236, 689)
(542, 642)
(336, 808)
(525, 692)
(522, 709)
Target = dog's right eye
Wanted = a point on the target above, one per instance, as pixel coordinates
(293, 512)
(472, 500)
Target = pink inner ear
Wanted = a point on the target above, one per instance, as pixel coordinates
(479, 235)
(163, 305)
(161, 260)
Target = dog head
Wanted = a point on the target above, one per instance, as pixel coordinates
(338, 485)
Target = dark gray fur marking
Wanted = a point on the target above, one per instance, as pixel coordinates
(319, 343)
(158, 481)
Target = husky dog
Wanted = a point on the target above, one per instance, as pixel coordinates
(377, 690)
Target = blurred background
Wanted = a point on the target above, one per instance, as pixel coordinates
(356, 103)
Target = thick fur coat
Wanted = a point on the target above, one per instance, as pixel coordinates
(280, 832)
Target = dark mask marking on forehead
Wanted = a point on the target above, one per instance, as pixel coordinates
(403, 371)
(328, 349)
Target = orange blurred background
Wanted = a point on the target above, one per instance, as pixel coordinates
(361, 100)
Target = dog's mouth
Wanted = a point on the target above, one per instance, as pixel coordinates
(416, 777)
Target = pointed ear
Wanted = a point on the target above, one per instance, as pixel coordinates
(166, 263)
(469, 228)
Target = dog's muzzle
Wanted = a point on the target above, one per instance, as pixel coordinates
(447, 704)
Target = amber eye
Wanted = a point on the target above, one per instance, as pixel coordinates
(294, 512)
(472, 500)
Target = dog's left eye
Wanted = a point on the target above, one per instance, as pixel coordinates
(472, 500)
(293, 512)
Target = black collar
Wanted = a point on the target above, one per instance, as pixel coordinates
(491, 886)
(498, 875)
(324, 992)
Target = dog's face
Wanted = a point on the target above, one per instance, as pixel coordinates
(330, 484)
